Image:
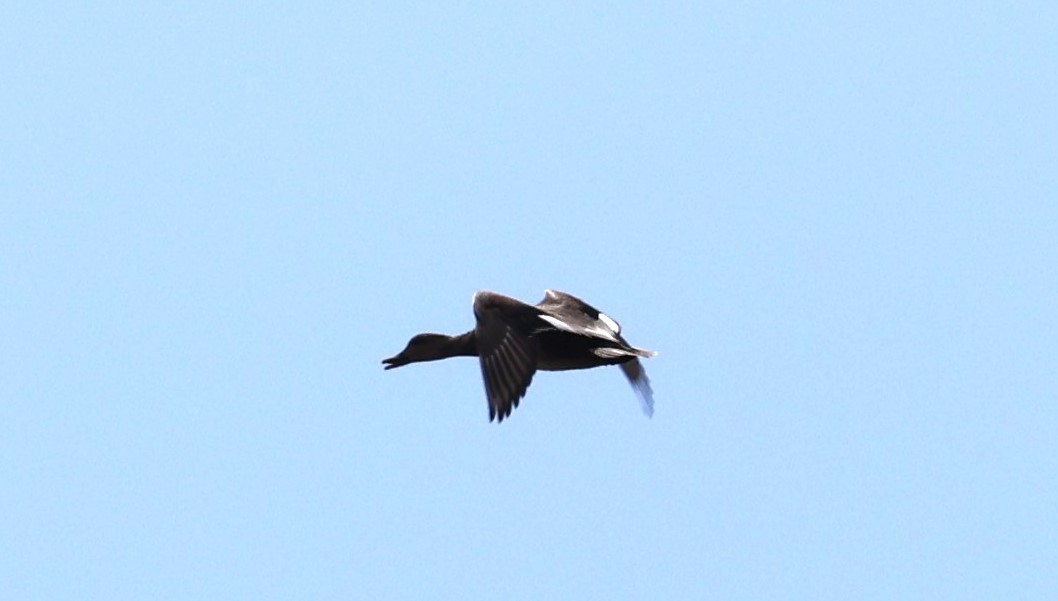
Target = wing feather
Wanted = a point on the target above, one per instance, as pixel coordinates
(637, 376)
(508, 357)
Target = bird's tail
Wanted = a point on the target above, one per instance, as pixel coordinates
(631, 351)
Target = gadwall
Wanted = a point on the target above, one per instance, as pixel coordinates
(513, 339)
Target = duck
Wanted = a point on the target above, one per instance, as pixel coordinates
(513, 340)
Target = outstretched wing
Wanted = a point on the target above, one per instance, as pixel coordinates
(568, 312)
(637, 376)
(507, 357)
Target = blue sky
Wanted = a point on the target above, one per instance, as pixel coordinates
(838, 225)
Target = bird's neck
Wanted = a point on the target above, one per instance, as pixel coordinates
(463, 345)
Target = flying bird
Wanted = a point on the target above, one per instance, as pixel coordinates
(512, 340)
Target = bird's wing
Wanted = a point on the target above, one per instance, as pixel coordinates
(637, 376)
(578, 316)
(507, 355)
(568, 312)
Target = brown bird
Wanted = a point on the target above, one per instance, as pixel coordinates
(513, 339)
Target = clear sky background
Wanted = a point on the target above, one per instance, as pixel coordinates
(837, 225)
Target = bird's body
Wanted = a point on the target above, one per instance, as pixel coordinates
(513, 340)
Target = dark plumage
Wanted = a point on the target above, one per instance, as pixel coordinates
(513, 339)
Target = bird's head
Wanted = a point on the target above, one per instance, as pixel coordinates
(422, 347)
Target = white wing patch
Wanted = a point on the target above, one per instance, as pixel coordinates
(558, 323)
(606, 332)
(613, 325)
